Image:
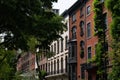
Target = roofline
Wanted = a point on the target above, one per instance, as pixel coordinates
(75, 6)
(65, 13)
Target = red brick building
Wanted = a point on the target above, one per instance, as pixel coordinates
(83, 41)
(26, 65)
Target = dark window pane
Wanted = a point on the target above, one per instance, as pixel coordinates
(61, 45)
(58, 46)
(74, 33)
(54, 67)
(88, 30)
(73, 17)
(82, 73)
(58, 66)
(66, 42)
(89, 52)
(88, 10)
(55, 47)
(61, 65)
(66, 63)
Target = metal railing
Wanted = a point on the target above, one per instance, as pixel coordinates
(61, 71)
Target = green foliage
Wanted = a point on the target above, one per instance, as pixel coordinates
(99, 21)
(114, 8)
(43, 74)
(114, 75)
(24, 19)
(27, 24)
(7, 65)
(115, 28)
(99, 57)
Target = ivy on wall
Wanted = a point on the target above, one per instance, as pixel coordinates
(100, 26)
(114, 7)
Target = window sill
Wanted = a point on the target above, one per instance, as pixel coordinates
(88, 15)
(81, 15)
(89, 37)
(73, 21)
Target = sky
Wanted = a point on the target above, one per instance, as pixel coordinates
(63, 5)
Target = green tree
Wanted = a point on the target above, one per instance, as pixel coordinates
(7, 64)
(113, 7)
(26, 21)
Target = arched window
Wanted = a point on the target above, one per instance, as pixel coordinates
(74, 32)
(81, 28)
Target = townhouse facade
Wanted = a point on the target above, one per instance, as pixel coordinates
(82, 39)
(26, 66)
(57, 64)
(77, 46)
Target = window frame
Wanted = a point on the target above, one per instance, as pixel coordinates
(62, 44)
(89, 30)
(74, 31)
(89, 53)
(88, 9)
(73, 17)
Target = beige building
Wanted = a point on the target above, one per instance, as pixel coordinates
(57, 64)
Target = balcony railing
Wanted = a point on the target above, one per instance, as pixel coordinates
(57, 72)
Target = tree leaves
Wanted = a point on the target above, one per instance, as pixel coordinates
(29, 18)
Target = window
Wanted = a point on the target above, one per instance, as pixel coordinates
(89, 52)
(82, 73)
(58, 46)
(88, 10)
(82, 49)
(73, 76)
(43, 66)
(74, 50)
(54, 67)
(82, 28)
(61, 65)
(51, 48)
(65, 63)
(88, 30)
(57, 65)
(51, 67)
(73, 18)
(54, 47)
(81, 12)
(61, 45)
(74, 32)
(105, 20)
(66, 42)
